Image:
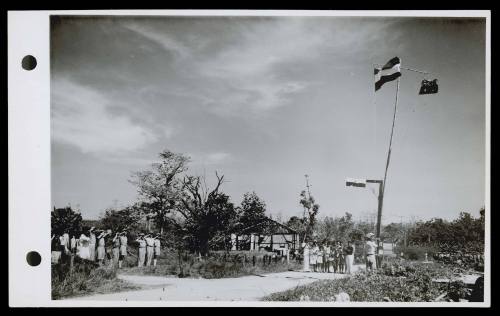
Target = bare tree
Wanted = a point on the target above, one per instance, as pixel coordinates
(209, 215)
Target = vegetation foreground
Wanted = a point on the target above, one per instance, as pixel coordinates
(89, 278)
(86, 279)
(396, 282)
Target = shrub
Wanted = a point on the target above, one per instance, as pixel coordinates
(86, 278)
(399, 283)
(218, 264)
(416, 252)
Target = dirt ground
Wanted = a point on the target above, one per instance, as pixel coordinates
(248, 288)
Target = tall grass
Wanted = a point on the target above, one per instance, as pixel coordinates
(416, 252)
(214, 266)
(85, 278)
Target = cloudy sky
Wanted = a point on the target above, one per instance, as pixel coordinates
(266, 100)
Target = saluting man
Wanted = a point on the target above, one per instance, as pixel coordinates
(116, 248)
(142, 250)
(123, 247)
(101, 247)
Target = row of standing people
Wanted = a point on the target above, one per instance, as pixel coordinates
(149, 249)
(329, 257)
(95, 245)
(92, 245)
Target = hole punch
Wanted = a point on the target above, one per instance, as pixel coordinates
(28, 62)
(33, 258)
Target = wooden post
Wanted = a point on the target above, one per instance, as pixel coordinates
(379, 208)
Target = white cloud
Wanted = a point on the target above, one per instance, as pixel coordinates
(213, 158)
(80, 118)
(218, 157)
(247, 71)
(166, 41)
(242, 69)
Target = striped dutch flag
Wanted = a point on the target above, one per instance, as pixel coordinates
(391, 71)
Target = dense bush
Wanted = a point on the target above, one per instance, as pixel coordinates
(462, 231)
(364, 288)
(416, 252)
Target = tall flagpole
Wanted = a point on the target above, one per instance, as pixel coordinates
(382, 186)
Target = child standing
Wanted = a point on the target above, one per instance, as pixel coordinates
(319, 260)
(314, 256)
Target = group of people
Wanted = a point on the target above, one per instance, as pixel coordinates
(336, 257)
(329, 257)
(92, 245)
(149, 249)
(102, 246)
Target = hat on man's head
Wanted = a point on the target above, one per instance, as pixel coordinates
(370, 235)
(91, 228)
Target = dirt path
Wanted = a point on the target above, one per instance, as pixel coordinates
(248, 288)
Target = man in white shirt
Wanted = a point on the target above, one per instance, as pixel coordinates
(66, 243)
(72, 244)
(370, 250)
(150, 243)
(123, 247)
(92, 243)
(157, 245)
(142, 250)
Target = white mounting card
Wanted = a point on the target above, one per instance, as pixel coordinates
(31, 131)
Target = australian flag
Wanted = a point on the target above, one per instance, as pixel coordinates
(429, 87)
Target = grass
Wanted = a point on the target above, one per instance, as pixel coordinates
(214, 266)
(410, 282)
(86, 278)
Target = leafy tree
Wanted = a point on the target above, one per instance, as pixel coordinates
(464, 232)
(346, 226)
(308, 202)
(126, 218)
(466, 228)
(393, 231)
(65, 220)
(339, 228)
(252, 211)
(298, 224)
(160, 188)
(366, 227)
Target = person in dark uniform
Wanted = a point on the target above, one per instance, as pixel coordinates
(349, 257)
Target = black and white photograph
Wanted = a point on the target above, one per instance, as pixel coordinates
(269, 158)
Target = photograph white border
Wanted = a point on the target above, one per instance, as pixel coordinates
(29, 155)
